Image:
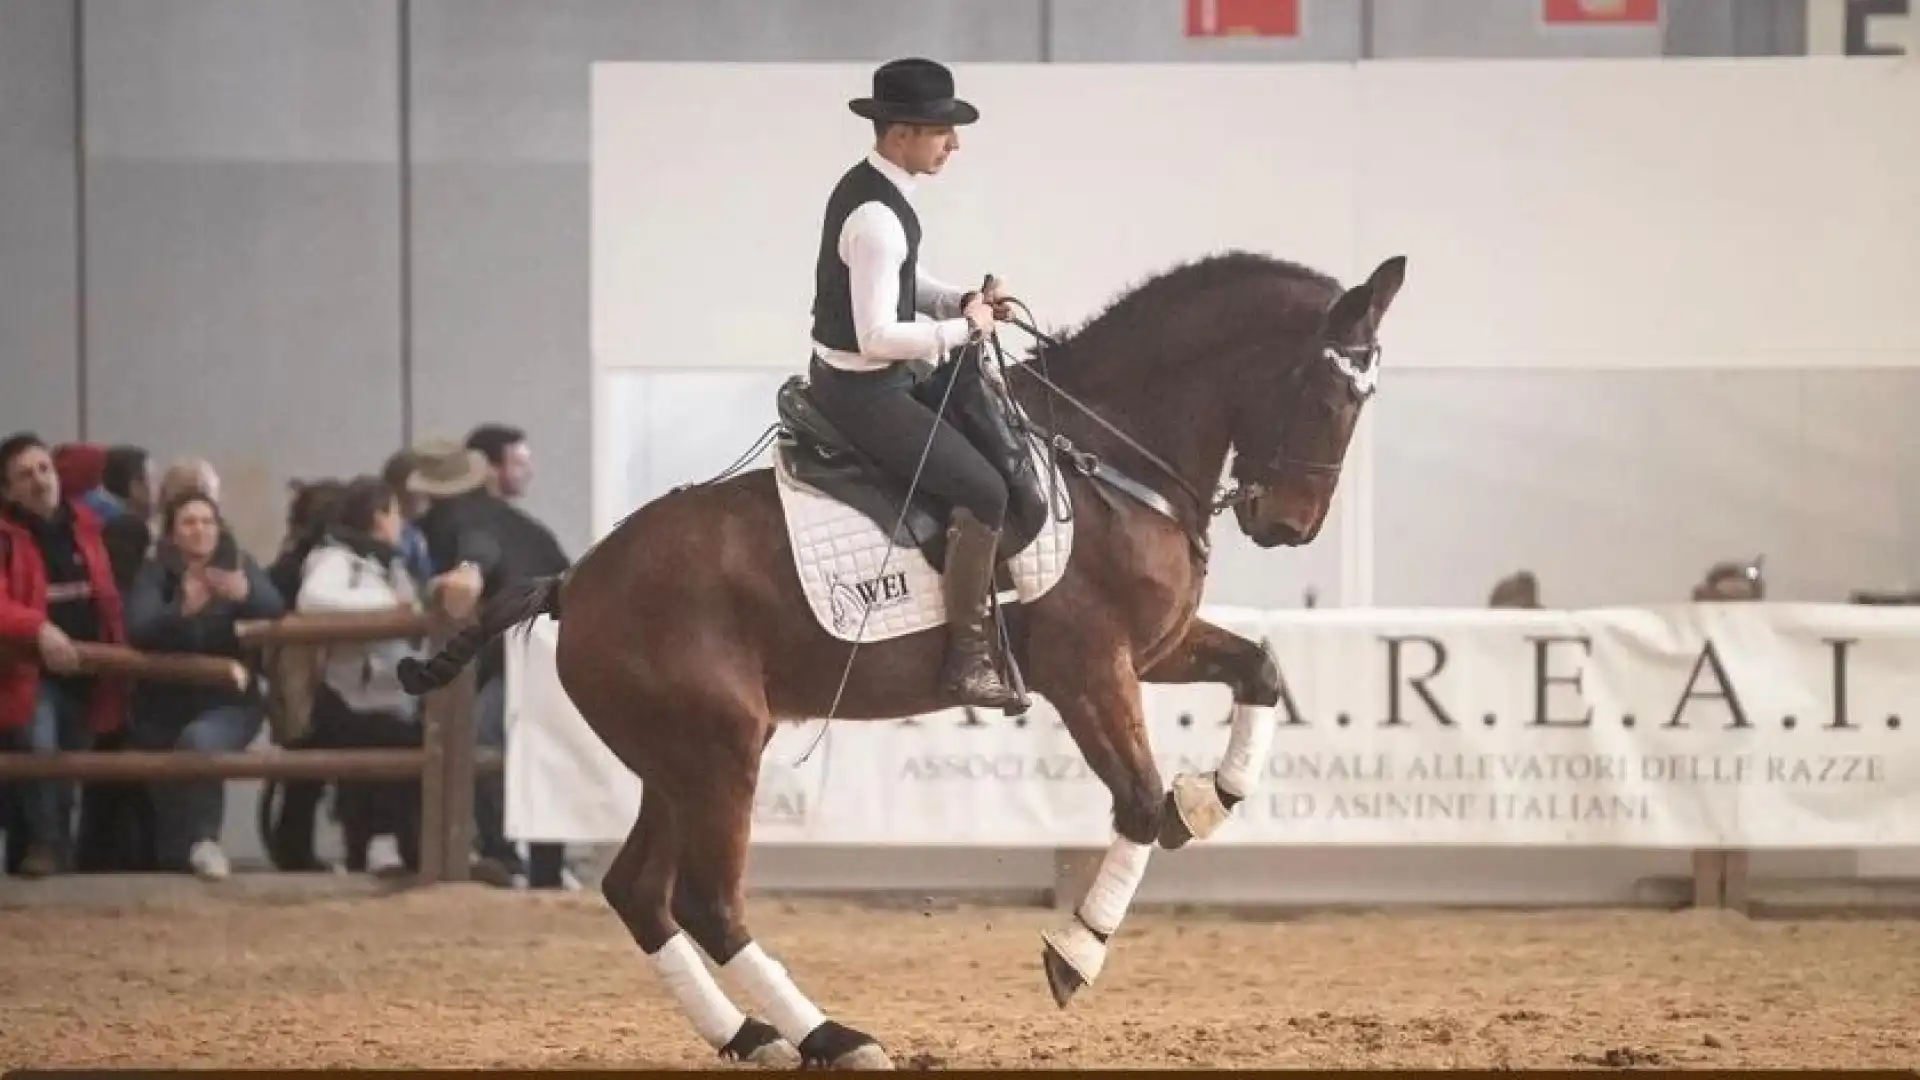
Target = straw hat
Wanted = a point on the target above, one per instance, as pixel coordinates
(442, 467)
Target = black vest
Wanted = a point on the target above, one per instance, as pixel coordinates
(832, 285)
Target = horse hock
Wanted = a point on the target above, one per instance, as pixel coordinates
(1073, 955)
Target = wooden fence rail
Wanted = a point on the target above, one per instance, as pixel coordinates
(445, 763)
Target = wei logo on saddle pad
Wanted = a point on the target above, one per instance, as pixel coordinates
(839, 551)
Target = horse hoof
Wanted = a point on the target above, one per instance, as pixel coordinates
(868, 1058)
(780, 1056)
(1062, 979)
(838, 1046)
(758, 1043)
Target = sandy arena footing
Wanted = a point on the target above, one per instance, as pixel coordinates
(470, 976)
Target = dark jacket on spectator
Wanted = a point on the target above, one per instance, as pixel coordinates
(155, 623)
(508, 545)
(129, 539)
(24, 585)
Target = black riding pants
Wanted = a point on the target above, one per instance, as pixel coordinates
(889, 415)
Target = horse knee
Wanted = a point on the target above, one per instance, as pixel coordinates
(1263, 685)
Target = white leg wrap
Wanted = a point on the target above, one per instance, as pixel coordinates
(700, 997)
(766, 982)
(1111, 893)
(1248, 747)
(1105, 905)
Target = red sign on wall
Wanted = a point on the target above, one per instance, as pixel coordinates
(1243, 18)
(1603, 11)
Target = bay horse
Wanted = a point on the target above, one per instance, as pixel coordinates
(685, 636)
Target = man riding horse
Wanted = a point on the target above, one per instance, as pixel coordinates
(868, 288)
(685, 635)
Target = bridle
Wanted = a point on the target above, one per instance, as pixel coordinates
(1359, 364)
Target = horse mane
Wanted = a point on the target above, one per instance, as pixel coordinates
(1152, 295)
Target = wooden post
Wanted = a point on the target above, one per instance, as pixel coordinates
(1734, 891)
(455, 704)
(1709, 878)
(433, 800)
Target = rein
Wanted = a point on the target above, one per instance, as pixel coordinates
(1358, 364)
(1090, 465)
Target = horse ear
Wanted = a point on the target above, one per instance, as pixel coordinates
(1386, 281)
(1346, 312)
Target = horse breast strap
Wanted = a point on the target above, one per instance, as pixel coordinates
(1093, 467)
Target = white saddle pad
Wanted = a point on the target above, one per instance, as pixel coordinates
(850, 570)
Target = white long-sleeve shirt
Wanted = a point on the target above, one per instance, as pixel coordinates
(873, 244)
(366, 676)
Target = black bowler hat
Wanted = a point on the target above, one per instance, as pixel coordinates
(914, 91)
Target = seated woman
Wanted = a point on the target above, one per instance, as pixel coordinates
(358, 566)
(187, 599)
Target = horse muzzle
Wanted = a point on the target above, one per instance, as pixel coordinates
(1269, 526)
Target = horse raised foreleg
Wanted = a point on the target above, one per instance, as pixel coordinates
(1200, 804)
(1102, 711)
(637, 885)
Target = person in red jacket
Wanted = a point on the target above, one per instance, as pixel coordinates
(56, 588)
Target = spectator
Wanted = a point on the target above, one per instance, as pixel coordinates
(413, 543)
(1731, 581)
(187, 599)
(195, 474)
(360, 702)
(129, 479)
(56, 588)
(116, 826)
(310, 512)
(129, 535)
(509, 459)
(473, 518)
(293, 674)
(81, 468)
(1521, 590)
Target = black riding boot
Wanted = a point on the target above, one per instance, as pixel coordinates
(969, 671)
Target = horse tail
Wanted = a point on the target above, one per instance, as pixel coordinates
(516, 604)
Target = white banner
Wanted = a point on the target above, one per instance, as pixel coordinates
(1692, 726)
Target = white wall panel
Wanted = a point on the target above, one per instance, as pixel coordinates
(39, 222)
(655, 430)
(1647, 213)
(243, 245)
